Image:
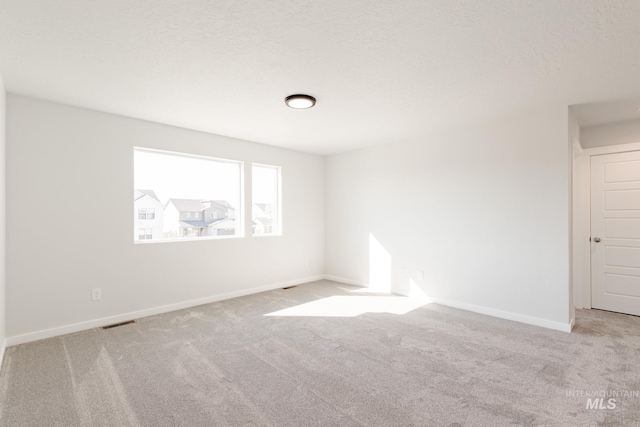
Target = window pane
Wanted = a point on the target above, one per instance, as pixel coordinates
(265, 200)
(175, 194)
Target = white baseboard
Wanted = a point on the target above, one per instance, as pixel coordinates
(507, 315)
(97, 323)
(345, 281)
(361, 284)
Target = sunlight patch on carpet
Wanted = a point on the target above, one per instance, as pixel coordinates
(352, 306)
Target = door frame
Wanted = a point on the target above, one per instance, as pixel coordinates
(581, 216)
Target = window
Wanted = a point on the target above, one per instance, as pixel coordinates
(183, 188)
(145, 233)
(266, 202)
(144, 214)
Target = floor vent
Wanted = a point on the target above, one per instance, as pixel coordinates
(290, 287)
(118, 324)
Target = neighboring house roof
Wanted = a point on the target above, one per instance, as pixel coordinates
(187, 205)
(221, 203)
(199, 224)
(141, 193)
(196, 205)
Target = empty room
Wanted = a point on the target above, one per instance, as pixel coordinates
(330, 213)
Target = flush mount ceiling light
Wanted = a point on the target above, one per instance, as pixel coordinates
(300, 101)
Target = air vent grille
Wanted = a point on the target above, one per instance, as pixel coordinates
(115, 325)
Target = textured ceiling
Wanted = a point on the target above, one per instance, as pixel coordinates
(382, 71)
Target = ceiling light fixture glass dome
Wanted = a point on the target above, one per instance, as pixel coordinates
(300, 101)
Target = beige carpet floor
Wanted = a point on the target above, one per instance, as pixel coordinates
(326, 354)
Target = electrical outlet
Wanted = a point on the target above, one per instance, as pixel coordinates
(96, 294)
(420, 275)
(402, 273)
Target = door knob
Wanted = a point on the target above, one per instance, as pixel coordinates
(596, 239)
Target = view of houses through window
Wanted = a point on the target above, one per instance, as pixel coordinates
(265, 197)
(179, 196)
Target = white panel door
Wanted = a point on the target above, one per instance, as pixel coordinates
(615, 232)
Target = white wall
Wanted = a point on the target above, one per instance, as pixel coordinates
(3, 303)
(610, 134)
(483, 210)
(70, 169)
